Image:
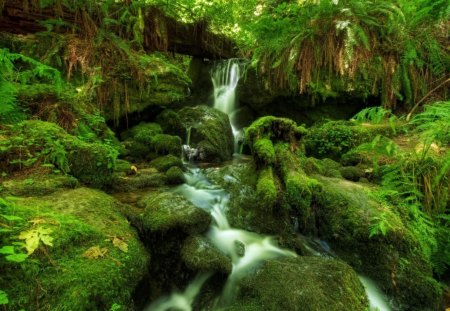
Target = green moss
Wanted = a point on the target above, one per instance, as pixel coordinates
(171, 122)
(302, 283)
(274, 129)
(346, 214)
(39, 185)
(352, 173)
(266, 189)
(162, 164)
(92, 164)
(29, 143)
(263, 151)
(167, 211)
(200, 255)
(335, 138)
(166, 144)
(60, 277)
(123, 166)
(143, 132)
(144, 178)
(175, 175)
(210, 132)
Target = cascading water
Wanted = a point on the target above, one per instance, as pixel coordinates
(256, 248)
(225, 77)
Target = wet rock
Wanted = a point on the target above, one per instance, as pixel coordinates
(166, 211)
(175, 176)
(302, 283)
(210, 132)
(200, 254)
(345, 216)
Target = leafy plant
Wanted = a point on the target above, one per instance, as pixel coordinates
(33, 237)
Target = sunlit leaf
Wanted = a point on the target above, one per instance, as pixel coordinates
(7, 250)
(120, 244)
(3, 298)
(17, 257)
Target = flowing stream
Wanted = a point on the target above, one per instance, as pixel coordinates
(246, 249)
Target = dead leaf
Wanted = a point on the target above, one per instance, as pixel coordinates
(39, 221)
(120, 244)
(95, 252)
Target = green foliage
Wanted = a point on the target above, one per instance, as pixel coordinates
(373, 115)
(266, 189)
(263, 151)
(434, 122)
(3, 298)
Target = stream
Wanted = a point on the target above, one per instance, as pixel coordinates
(247, 250)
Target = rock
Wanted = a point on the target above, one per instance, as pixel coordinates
(142, 179)
(175, 176)
(302, 283)
(166, 211)
(39, 185)
(210, 132)
(352, 173)
(146, 140)
(345, 215)
(95, 262)
(200, 254)
(164, 163)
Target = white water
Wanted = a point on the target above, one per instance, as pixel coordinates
(225, 77)
(377, 299)
(246, 249)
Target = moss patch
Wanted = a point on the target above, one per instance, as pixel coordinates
(62, 277)
(303, 283)
(164, 163)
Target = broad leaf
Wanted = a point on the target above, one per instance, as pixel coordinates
(17, 258)
(7, 250)
(3, 298)
(95, 252)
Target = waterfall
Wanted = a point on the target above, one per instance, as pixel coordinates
(246, 249)
(225, 77)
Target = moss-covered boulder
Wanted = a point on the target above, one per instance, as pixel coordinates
(346, 217)
(302, 283)
(266, 187)
(175, 176)
(88, 257)
(164, 163)
(146, 140)
(39, 185)
(352, 173)
(209, 131)
(164, 211)
(200, 254)
(142, 178)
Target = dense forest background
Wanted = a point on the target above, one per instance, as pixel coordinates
(91, 92)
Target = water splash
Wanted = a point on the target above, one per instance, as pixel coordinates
(225, 77)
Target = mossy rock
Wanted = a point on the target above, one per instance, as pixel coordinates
(302, 283)
(266, 188)
(352, 173)
(123, 166)
(68, 275)
(274, 129)
(166, 211)
(39, 185)
(170, 122)
(164, 163)
(143, 132)
(143, 178)
(200, 254)
(166, 144)
(263, 151)
(175, 176)
(210, 132)
(345, 216)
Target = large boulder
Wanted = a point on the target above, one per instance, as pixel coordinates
(206, 129)
(165, 211)
(87, 255)
(302, 283)
(373, 239)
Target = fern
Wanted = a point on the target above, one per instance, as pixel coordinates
(374, 115)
